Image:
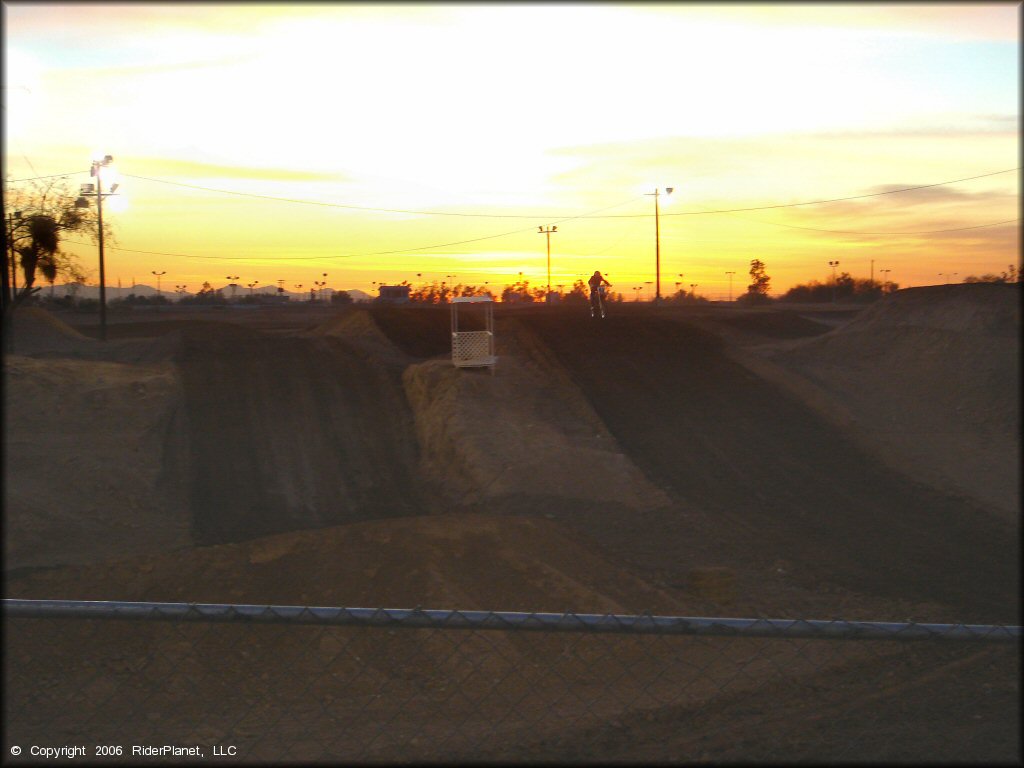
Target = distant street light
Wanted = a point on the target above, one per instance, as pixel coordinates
(833, 264)
(320, 284)
(158, 276)
(693, 290)
(657, 241)
(637, 288)
(649, 282)
(252, 286)
(234, 287)
(885, 280)
(730, 274)
(298, 289)
(180, 290)
(547, 232)
(83, 202)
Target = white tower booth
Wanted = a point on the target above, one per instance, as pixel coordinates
(473, 344)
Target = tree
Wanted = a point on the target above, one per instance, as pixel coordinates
(207, 295)
(37, 217)
(518, 292)
(846, 288)
(580, 293)
(1012, 275)
(341, 297)
(757, 291)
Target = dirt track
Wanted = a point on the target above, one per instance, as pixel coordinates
(296, 449)
(778, 478)
(287, 433)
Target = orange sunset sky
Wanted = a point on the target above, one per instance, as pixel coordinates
(377, 142)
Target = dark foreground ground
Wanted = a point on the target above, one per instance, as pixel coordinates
(756, 481)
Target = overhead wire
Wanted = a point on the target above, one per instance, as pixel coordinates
(324, 204)
(594, 215)
(861, 232)
(541, 216)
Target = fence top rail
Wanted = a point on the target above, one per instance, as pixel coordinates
(419, 618)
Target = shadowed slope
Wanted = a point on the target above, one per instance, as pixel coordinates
(719, 438)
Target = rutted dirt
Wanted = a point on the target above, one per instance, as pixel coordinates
(340, 459)
(293, 432)
(784, 482)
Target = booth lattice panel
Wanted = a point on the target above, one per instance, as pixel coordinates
(473, 348)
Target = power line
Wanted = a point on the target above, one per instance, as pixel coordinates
(535, 216)
(818, 202)
(39, 178)
(590, 216)
(346, 205)
(859, 232)
(594, 215)
(355, 255)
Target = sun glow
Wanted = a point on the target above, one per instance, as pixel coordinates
(341, 143)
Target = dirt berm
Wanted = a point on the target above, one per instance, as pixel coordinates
(930, 379)
(771, 475)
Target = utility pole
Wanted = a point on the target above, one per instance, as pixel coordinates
(82, 202)
(730, 274)
(547, 232)
(657, 244)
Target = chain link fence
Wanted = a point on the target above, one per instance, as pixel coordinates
(137, 682)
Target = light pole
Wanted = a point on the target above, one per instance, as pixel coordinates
(730, 274)
(319, 284)
(657, 242)
(180, 290)
(83, 202)
(253, 285)
(298, 289)
(693, 290)
(833, 264)
(547, 232)
(637, 288)
(234, 287)
(885, 280)
(158, 276)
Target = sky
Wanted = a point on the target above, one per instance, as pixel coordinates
(359, 144)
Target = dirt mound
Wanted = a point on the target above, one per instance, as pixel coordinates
(230, 683)
(992, 308)
(766, 472)
(35, 331)
(420, 331)
(472, 562)
(91, 467)
(293, 432)
(522, 439)
(930, 377)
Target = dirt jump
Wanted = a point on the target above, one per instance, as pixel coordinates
(784, 462)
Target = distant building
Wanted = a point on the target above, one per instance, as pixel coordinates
(398, 294)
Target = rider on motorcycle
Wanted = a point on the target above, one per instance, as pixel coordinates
(597, 288)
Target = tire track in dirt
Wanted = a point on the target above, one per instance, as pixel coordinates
(716, 437)
(287, 433)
